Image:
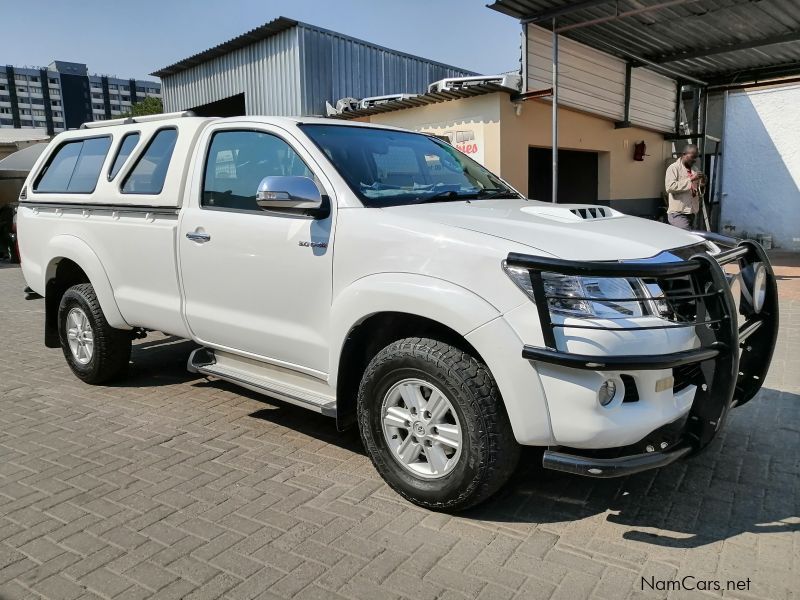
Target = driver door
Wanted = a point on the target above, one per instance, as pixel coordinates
(255, 282)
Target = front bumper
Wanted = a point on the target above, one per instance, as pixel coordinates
(731, 361)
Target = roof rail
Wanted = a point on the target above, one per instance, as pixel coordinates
(142, 119)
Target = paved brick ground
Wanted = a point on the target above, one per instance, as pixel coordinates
(171, 486)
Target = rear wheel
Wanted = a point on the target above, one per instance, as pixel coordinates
(434, 424)
(95, 351)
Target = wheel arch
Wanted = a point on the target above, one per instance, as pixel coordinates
(380, 309)
(70, 262)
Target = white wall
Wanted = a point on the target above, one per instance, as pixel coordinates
(761, 164)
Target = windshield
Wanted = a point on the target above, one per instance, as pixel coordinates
(390, 168)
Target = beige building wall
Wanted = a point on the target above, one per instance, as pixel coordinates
(506, 136)
(619, 176)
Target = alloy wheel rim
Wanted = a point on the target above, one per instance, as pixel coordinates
(421, 428)
(80, 336)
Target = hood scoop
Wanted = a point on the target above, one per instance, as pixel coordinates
(571, 214)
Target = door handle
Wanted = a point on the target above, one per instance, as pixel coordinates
(198, 236)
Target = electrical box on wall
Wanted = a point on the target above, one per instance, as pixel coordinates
(639, 151)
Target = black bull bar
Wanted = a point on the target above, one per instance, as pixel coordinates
(734, 358)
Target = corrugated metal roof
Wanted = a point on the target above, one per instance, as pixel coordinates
(273, 28)
(719, 41)
(426, 99)
(254, 35)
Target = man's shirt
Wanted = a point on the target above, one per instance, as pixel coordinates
(683, 198)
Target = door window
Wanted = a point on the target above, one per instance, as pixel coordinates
(237, 162)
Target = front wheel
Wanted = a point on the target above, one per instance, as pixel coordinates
(95, 351)
(433, 423)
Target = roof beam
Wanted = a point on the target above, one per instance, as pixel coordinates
(560, 11)
(621, 15)
(724, 48)
(756, 74)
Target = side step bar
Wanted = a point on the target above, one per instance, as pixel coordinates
(261, 378)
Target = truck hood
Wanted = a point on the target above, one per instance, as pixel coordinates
(569, 231)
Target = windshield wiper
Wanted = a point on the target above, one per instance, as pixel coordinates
(489, 193)
(482, 194)
(445, 195)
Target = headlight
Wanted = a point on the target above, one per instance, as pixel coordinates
(599, 297)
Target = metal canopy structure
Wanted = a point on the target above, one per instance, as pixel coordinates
(702, 44)
(716, 41)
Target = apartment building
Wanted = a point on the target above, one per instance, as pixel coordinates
(63, 96)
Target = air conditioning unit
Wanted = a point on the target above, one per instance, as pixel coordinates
(346, 104)
(374, 101)
(508, 80)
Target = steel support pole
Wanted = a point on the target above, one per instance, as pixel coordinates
(555, 113)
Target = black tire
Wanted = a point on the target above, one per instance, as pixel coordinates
(111, 347)
(489, 452)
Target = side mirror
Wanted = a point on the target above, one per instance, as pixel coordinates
(291, 193)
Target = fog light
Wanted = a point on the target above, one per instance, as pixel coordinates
(607, 392)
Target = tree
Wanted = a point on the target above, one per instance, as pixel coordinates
(148, 106)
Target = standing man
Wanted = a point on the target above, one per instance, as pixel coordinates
(682, 183)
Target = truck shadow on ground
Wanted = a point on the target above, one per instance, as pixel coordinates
(746, 482)
(159, 361)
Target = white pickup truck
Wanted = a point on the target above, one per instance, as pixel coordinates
(381, 277)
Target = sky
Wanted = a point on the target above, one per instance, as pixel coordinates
(133, 39)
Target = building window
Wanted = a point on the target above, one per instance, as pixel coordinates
(97, 96)
(55, 102)
(75, 167)
(148, 176)
(22, 88)
(53, 80)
